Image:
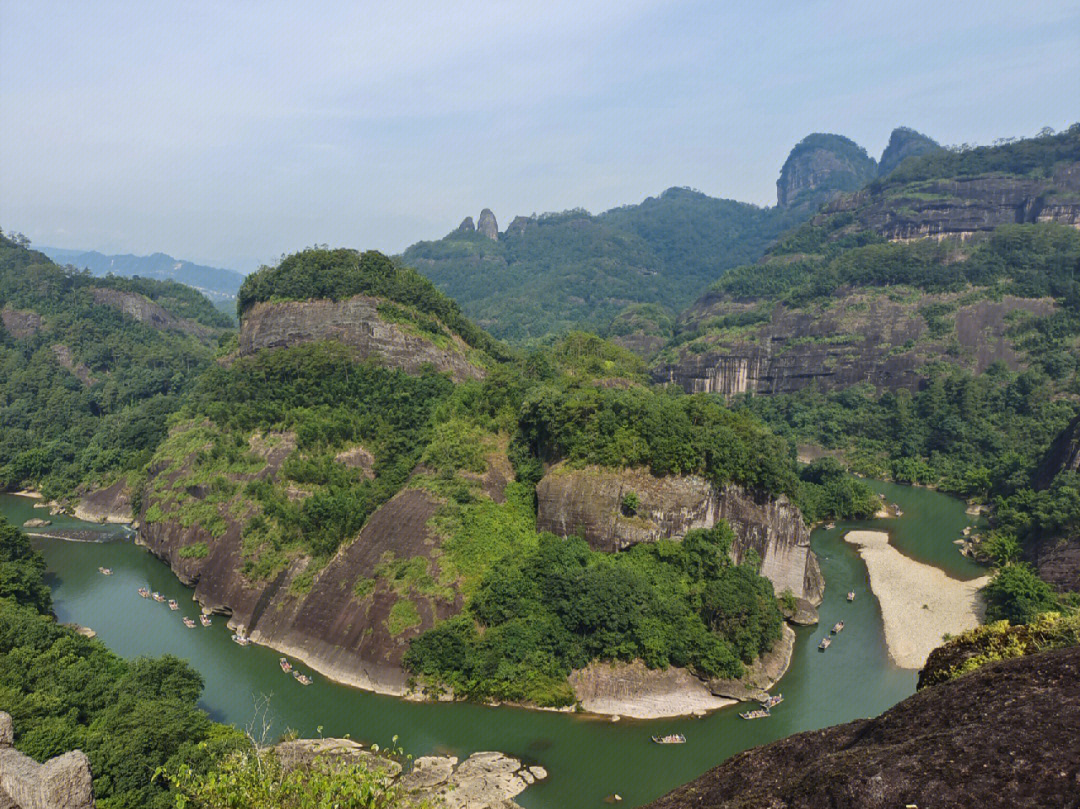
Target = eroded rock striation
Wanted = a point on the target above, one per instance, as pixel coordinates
(146, 311)
(63, 782)
(1002, 737)
(588, 502)
(820, 167)
(356, 323)
(487, 225)
(859, 336)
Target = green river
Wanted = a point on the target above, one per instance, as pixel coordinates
(587, 758)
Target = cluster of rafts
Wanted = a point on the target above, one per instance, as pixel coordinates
(238, 637)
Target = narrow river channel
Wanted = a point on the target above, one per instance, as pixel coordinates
(587, 758)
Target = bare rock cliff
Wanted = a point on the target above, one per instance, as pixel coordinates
(1002, 737)
(588, 502)
(146, 311)
(356, 323)
(63, 782)
(862, 336)
(20, 323)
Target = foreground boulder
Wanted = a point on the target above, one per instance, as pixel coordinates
(60, 783)
(1002, 736)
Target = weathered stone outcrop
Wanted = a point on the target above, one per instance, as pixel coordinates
(356, 323)
(820, 167)
(588, 502)
(146, 311)
(1058, 558)
(961, 207)
(466, 226)
(1002, 737)
(487, 225)
(861, 336)
(904, 142)
(20, 323)
(109, 504)
(633, 690)
(63, 782)
(483, 781)
(519, 225)
(66, 358)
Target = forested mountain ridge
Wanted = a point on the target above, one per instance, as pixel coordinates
(218, 284)
(92, 367)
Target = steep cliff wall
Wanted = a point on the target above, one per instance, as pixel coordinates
(356, 323)
(820, 167)
(147, 311)
(857, 336)
(961, 207)
(339, 618)
(588, 502)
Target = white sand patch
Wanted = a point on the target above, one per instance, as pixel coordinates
(919, 602)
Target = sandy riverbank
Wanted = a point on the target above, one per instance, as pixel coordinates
(919, 602)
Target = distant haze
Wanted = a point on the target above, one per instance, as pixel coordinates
(228, 133)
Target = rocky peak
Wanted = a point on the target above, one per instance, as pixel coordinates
(820, 167)
(904, 143)
(466, 226)
(487, 225)
(520, 224)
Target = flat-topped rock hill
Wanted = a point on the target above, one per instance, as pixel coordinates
(1003, 736)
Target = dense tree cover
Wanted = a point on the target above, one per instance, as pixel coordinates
(1024, 260)
(318, 393)
(65, 691)
(1028, 157)
(574, 270)
(536, 616)
(339, 274)
(58, 430)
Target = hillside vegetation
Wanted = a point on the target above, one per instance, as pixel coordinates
(85, 387)
(575, 270)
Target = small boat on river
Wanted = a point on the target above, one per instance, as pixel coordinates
(241, 639)
(826, 642)
(190, 624)
(838, 627)
(157, 596)
(761, 713)
(286, 666)
(144, 592)
(204, 620)
(303, 679)
(671, 738)
(851, 595)
(772, 701)
(173, 605)
(105, 571)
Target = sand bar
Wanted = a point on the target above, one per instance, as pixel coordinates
(919, 602)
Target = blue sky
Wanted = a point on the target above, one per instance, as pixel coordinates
(228, 133)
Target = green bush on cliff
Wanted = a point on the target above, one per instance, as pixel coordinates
(562, 605)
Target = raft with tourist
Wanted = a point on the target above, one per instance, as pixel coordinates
(759, 713)
(157, 597)
(240, 639)
(286, 666)
(105, 571)
(851, 595)
(303, 679)
(772, 701)
(144, 592)
(189, 623)
(671, 738)
(204, 620)
(826, 642)
(837, 627)
(173, 604)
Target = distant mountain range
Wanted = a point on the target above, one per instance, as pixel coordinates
(547, 274)
(218, 284)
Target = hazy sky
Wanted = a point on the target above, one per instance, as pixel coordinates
(229, 132)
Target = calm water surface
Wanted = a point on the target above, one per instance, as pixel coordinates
(587, 758)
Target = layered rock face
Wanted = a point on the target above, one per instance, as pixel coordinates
(63, 782)
(859, 337)
(820, 167)
(963, 207)
(588, 502)
(355, 323)
(1002, 737)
